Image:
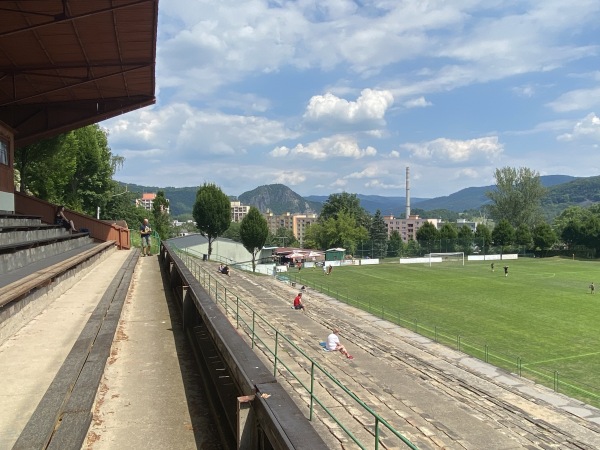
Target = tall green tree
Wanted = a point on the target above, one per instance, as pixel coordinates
(160, 215)
(341, 231)
(74, 169)
(253, 233)
(212, 212)
(395, 244)
(523, 236)
(465, 239)
(517, 197)
(544, 236)
(233, 232)
(483, 237)
(503, 235)
(378, 233)
(283, 237)
(344, 202)
(427, 234)
(448, 235)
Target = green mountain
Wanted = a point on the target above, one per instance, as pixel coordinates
(279, 199)
(563, 191)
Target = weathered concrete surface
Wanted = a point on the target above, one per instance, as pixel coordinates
(150, 396)
(435, 396)
(30, 359)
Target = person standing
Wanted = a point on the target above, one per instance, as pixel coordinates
(145, 232)
(592, 288)
(334, 345)
(505, 271)
(492, 266)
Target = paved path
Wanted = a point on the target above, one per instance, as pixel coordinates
(435, 396)
(150, 396)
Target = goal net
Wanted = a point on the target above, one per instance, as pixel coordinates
(452, 257)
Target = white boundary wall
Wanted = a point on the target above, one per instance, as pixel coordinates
(492, 257)
(469, 258)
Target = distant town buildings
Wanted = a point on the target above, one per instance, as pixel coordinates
(238, 211)
(297, 223)
(407, 228)
(147, 200)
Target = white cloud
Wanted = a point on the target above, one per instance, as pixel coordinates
(587, 128)
(576, 100)
(290, 177)
(368, 111)
(419, 102)
(442, 150)
(181, 128)
(338, 146)
(370, 171)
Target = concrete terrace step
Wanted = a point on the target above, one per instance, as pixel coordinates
(435, 396)
(16, 234)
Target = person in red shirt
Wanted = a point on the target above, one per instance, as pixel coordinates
(298, 302)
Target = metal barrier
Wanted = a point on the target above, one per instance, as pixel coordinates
(249, 321)
(254, 410)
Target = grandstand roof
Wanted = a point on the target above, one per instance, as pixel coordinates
(65, 63)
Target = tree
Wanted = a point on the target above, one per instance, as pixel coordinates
(253, 233)
(212, 212)
(517, 197)
(523, 236)
(160, 215)
(344, 202)
(395, 244)
(503, 234)
(378, 233)
(544, 236)
(465, 238)
(427, 234)
(283, 237)
(448, 235)
(483, 237)
(233, 232)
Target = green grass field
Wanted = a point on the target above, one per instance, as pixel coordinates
(540, 321)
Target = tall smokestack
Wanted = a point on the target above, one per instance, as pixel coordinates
(407, 192)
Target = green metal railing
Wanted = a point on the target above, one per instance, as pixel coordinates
(514, 363)
(261, 334)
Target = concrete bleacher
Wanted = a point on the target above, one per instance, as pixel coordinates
(36, 260)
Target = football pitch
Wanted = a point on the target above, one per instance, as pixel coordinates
(540, 321)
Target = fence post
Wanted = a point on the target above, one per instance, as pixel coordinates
(312, 389)
(458, 342)
(376, 433)
(486, 354)
(519, 365)
(253, 322)
(226, 302)
(435, 338)
(382, 312)
(237, 312)
(556, 381)
(275, 354)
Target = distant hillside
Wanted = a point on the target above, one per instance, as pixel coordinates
(279, 199)
(563, 191)
(474, 197)
(371, 203)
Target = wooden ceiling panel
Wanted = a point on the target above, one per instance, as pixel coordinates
(65, 64)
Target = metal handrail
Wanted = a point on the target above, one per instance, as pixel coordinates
(211, 283)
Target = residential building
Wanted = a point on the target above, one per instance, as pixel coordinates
(238, 211)
(300, 223)
(407, 228)
(147, 200)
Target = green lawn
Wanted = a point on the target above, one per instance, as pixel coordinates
(540, 321)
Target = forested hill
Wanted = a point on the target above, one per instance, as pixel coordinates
(279, 199)
(563, 191)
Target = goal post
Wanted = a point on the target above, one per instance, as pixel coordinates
(458, 257)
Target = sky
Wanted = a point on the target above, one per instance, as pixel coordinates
(329, 96)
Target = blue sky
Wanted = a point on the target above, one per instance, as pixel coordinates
(330, 96)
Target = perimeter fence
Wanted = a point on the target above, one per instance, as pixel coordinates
(283, 353)
(513, 363)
